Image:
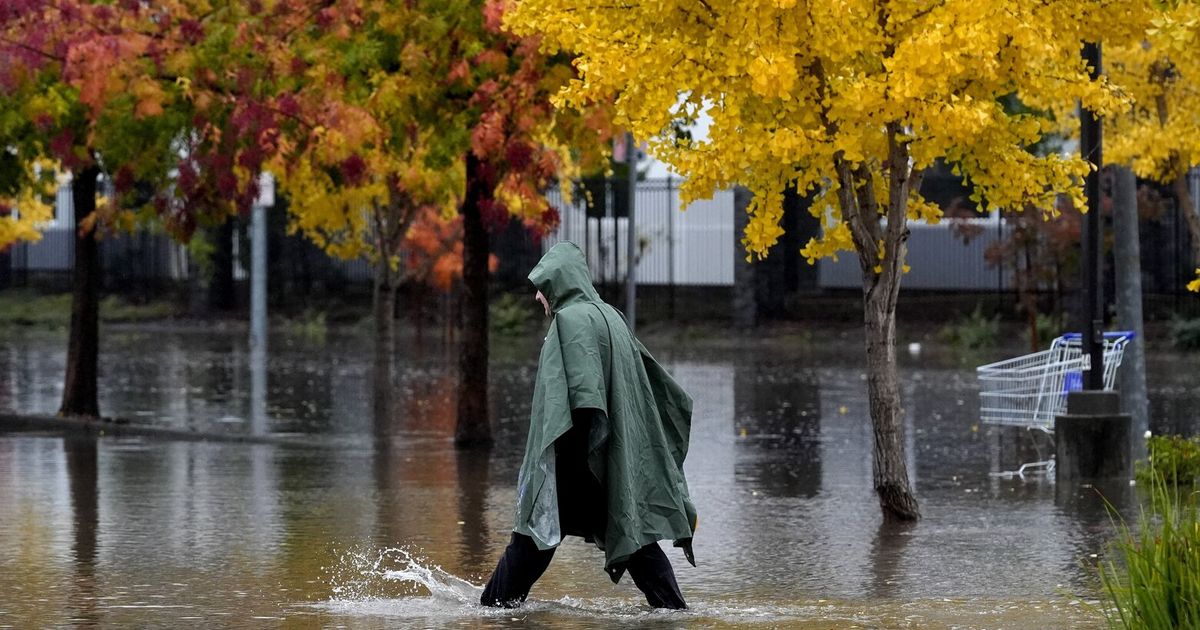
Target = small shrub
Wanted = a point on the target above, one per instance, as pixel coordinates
(1048, 327)
(1175, 459)
(974, 331)
(509, 315)
(1185, 333)
(310, 325)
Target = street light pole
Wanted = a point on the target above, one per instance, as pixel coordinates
(1092, 440)
(258, 304)
(1091, 146)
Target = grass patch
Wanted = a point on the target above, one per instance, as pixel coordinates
(26, 308)
(310, 325)
(115, 309)
(36, 310)
(1151, 579)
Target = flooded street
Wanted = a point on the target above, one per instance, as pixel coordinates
(378, 522)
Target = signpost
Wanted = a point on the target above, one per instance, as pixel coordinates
(258, 304)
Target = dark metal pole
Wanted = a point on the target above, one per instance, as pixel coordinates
(1091, 145)
(1093, 439)
(631, 237)
(671, 244)
(610, 212)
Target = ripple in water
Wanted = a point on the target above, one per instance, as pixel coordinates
(400, 583)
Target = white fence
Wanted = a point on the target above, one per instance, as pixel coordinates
(691, 248)
(937, 259)
(697, 247)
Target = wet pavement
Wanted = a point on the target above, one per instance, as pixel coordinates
(379, 522)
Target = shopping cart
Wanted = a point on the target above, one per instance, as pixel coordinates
(1030, 390)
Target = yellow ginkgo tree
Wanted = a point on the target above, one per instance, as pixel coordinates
(1159, 137)
(851, 100)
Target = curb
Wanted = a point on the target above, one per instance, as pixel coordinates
(116, 427)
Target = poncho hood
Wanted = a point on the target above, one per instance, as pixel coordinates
(562, 276)
(637, 444)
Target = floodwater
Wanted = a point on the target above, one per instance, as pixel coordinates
(370, 522)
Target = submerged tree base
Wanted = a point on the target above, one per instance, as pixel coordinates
(898, 503)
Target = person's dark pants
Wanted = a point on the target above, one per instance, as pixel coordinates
(523, 563)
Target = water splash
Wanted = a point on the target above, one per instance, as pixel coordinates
(401, 583)
(396, 572)
(420, 576)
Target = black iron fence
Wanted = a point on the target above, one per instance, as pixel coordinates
(690, 254)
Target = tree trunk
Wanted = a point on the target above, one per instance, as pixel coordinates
(882, 248)
(883, 392)
(384, 304)
(1127, 257)
(1185, 205)
(474, 426)
(83, 345)
(222, 294)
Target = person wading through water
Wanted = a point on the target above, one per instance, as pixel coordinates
(607, 437)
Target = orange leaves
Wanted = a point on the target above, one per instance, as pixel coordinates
(493, 14)
(434, 249)
(460, 71)
(102, 67)
(149, 98)
(446, 269)
(491, 61)
(487, 138)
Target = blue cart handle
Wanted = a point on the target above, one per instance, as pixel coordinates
(1115, 334)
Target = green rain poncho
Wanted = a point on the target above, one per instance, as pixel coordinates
(638, 441)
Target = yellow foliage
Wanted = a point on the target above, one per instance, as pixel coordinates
(796, 90)
(1158, 136)
(1194, 285)
(22, 216)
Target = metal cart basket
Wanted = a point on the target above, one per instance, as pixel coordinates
(1030, 390)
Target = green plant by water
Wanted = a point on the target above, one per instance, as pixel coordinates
(1185, 333)
(1151, 577)
(973, 331)
(311, 325)
(1049, 326)
(1174, 458)
(509, 315)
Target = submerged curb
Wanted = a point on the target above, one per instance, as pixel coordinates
(110, 427)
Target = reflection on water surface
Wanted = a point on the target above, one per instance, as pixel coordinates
(381, 523)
